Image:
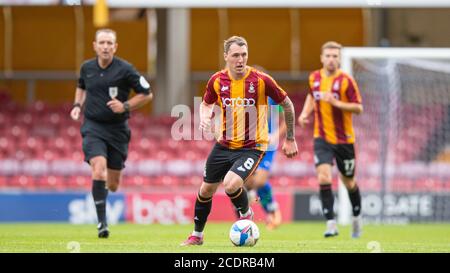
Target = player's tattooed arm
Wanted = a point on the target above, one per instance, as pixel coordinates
(289, 117)
(289, 146)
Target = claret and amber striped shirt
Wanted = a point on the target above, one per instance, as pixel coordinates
(330, 123)
(244, 107)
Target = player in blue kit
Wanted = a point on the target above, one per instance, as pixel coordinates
(259, 182)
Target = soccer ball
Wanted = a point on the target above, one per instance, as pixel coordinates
(244, 233)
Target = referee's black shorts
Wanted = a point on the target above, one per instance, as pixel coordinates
(243, 162)
(324, 153)
(108, 140)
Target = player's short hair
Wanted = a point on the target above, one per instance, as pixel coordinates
(240, 41)
(106, 30)
(331, 45)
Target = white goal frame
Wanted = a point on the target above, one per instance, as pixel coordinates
(348, 54)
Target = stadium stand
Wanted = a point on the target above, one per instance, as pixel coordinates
(40, 149)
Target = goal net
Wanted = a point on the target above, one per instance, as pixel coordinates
(403, 136)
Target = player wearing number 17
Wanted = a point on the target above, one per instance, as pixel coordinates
(241, 92)
(334, 97)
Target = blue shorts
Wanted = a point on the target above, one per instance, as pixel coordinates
(266, 162)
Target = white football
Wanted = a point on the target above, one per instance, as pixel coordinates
(244, 233)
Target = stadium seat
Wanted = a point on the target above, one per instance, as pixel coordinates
(306, 183)
(370, 184)
(136, 181)
(51, 183)
(428, 185)
(79, 182)
(23, 182)
(3, 181)
(166, 181)
(283, 181)
(192, 181)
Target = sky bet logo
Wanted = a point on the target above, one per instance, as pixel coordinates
(238, 102)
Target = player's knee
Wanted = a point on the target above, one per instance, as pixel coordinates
(99, 173)
(324, 178)
(349, 182)
(98, 168)
(114, 180)
(207, 191)
(113, 187)
(232, 185)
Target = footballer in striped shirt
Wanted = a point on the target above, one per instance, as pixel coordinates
(334, 97)
(241, 92)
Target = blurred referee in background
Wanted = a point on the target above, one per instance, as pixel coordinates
(102, 92)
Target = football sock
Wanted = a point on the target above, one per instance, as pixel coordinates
(327, 198)
(202, 210)
(236, 211)
(265, 196)
(100, 193)
(355, 199)
(239, 200)
(197, 233)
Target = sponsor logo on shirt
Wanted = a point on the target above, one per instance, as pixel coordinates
(245, 102)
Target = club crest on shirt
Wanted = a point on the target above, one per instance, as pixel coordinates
(224, 88)
(251, 89)
(336, 86)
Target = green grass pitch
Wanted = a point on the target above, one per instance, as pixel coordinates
(291, 238)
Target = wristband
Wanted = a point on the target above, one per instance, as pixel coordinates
(126, 106)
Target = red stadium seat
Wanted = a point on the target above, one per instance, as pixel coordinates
(428, 185)
(306, 156)
(3, 181)
(136, 181)
(446, 185)
(306, 183)
(192, 181)
(190, 155)
(283, 181)
(24, 182)
(166, 181)
(79, 182)
(51, 183)
(369, 184)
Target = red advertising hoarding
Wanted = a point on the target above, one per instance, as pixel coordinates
(178, 208)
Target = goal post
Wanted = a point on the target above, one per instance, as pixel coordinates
(402, 134)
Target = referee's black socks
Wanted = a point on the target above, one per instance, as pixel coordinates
(100, 193)
(202, 210)
(327, 198)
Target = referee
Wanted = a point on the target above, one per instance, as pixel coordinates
(102, 92)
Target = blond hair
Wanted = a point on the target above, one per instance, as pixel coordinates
(240, 41)
(331, 45)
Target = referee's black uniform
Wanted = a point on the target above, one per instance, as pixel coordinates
(104, 132)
